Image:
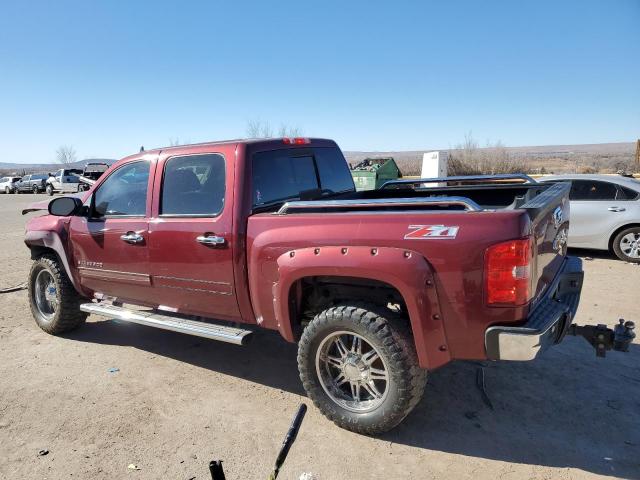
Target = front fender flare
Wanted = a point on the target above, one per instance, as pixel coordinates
(50, 240)
(406, 270)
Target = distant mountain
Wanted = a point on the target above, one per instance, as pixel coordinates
(50, 167)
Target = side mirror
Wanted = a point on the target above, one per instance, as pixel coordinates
(64, 206)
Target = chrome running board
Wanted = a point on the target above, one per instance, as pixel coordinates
(222, 333)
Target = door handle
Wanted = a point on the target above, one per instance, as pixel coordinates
(616, 209)
(132, 237)
(212, 240)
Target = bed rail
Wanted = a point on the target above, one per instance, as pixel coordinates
(463, 178)
(469, 204)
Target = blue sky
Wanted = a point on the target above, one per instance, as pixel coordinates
(107, 77)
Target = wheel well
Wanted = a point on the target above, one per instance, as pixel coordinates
(310, 295)
(618, 230)
(38, 251)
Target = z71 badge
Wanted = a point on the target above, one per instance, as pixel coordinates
(432, 232)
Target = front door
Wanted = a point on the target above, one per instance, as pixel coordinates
(191, 236)
(111, 244)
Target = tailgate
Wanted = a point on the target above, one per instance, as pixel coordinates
(549, 214)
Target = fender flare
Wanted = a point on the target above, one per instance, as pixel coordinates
(50, 240)
(405, 270)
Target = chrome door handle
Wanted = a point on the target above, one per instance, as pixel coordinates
(616, 209)
(132, 237)
(213, 240)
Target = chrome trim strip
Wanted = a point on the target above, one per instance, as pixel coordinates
(379, 202)
(106, 275)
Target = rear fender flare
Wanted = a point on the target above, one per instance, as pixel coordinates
(406, 270)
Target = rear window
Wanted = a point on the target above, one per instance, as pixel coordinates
(280, 175)
(592, 190)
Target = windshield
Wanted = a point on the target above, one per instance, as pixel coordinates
(280, 175)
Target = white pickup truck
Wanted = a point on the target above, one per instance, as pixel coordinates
(65, 180)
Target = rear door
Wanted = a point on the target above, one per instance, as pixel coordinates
(191, 235)
(595, 213)
(111, 245)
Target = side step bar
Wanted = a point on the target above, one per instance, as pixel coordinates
(237, 336)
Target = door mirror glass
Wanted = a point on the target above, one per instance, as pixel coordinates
(65, 206)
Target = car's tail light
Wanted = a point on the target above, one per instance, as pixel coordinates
(296, 141)
(507, 270)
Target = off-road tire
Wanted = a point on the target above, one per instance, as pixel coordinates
(50, 190)
(617, 247)
(67, 316)
(391, 337)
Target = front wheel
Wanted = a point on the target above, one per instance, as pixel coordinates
(54, 302)
(626, 245)
(7, 190)
(359, 366)
(49, 190)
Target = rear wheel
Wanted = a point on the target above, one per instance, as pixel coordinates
(626, 245)
(54, 302)
(359, 366)
(49, 190)
(35, 189)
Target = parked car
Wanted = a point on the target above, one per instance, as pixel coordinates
(7, 184)
(91, 173)
(376, 287)
(605, 213)
(34, 183)
(65, 180)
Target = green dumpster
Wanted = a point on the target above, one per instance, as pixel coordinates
(371, 173)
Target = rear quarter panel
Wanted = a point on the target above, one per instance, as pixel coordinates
(456, 264)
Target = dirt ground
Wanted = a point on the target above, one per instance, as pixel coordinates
(177, 402)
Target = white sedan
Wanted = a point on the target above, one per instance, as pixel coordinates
(605, 213)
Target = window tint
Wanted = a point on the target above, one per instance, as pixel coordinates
(333, 169)
(124, 192)
(592, 190)
(193, 185)
(625, 193)
(281, 175)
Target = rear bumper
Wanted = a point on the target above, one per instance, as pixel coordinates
(548, 322)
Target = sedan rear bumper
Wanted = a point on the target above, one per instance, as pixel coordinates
(548, 322)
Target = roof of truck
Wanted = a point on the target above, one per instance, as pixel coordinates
(311, 140)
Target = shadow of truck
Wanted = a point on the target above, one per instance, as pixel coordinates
(565, 409)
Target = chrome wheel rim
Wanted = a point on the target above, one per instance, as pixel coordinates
(45, 293)
(352, 372)
(630, 245)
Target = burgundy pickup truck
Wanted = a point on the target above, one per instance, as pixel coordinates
(376, 287)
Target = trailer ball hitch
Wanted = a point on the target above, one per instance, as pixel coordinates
(602, 338)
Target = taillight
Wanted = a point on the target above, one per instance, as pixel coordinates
(507, 270)
(295, 141)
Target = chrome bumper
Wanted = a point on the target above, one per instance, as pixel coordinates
(548, 322)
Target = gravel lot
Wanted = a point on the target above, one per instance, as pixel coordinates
(179, 401)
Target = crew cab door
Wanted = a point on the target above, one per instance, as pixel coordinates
(191, 235)
(111, 244)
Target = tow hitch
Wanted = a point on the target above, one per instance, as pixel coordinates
(603, 338)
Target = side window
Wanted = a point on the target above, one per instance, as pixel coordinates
(193, 185)
(592, 190)
(124, 192)
(625, 193)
